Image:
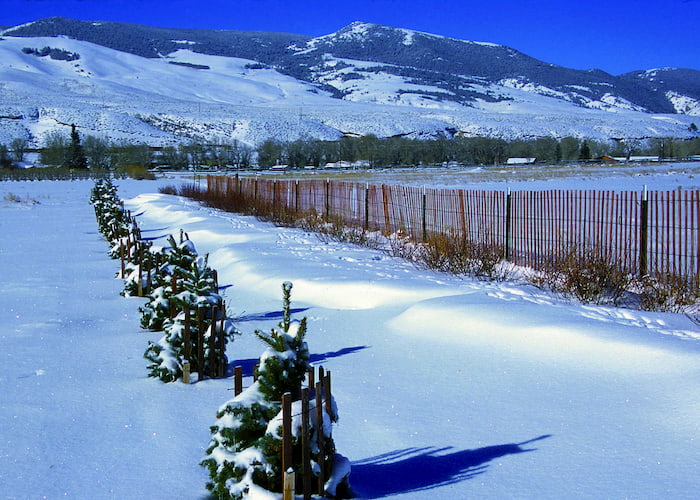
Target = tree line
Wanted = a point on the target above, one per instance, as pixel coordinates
(72, 151)
(402, 151)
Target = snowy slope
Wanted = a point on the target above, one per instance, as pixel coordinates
(447, 388)
(117, 95)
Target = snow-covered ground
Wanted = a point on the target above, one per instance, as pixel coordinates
(446, 387)
(655, 176)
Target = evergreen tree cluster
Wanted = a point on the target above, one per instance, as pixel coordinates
(54, 53)
(185, 287)
(182, 280)
(244, 452)
(112, 220)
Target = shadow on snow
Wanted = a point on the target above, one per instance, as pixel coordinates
(416, 469)
(267, 316)
(248, 365)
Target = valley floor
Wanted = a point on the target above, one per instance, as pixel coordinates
(446, 387)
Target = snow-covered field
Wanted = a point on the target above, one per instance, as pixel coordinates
(617, 177)
(447, 388)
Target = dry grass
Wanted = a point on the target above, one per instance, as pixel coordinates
(585, 273)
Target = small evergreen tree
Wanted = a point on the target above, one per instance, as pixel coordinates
(243, 455)
(178, 259)
(75, 157)
(196, 289)
(585, 152)
(5, 161)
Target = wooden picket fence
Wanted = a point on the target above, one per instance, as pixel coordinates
(654, 232)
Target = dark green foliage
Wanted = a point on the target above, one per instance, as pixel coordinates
(53, 53)
(196, 289)
(278, 372)
(5, 161)
(75, 157)
(112, 221)
(585, 152)
(189, 65)
(245, 447)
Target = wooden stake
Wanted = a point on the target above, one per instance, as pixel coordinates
(237, 380)
(140, 283)
(212, 343)
(310, 375)
(327, 392)
(121, 256)
(288, 485)
(305, 443)
(186, 337)
(186, 372)
(319, 437)
(200, 342)
(222, 344)
(287, 431)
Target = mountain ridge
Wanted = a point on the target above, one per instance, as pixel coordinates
(417, 83)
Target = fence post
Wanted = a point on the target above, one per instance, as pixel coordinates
(149, 268)
(139, 286)
(423, 218)
(328, 198)
(296, 196)
(121, 257)
(644, 233)
(327, 392)
(274, 196)
(385, 200)
(367, 206)
(185, 372)
(509, 216)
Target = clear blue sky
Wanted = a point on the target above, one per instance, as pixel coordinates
(616, 36)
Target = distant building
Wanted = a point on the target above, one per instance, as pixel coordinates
(520, 161)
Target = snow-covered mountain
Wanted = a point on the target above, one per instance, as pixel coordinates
(163, 86)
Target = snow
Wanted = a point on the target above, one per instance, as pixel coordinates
(446, 387)
(119, 96)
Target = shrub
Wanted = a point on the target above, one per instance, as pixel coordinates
(139, 172)
(586, 274)
(671, 293)
(168, 190)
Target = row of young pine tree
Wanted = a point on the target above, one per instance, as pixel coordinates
(243, 457)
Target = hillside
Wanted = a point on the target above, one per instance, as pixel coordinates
(164, 86)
